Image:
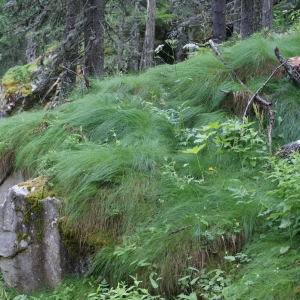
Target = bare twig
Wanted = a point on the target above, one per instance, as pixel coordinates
(178, 230)
(86, 81)
(70, 70)
(235, 75)
(51, 88)
(226, 92)
(259, 90)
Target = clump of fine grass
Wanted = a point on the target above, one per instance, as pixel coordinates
(194, 81)
(288, 43)
(252, 58)
(188, 220)
(200, 87)
(256, 57)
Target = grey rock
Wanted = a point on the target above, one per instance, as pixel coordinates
(9, 179)
(287, 149)
(31, 252)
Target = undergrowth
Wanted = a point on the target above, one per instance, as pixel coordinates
(162, 180)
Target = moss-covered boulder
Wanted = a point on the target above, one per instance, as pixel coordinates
(16, 89)
(24, 86)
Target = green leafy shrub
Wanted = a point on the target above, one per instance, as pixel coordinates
(232, 136)
(285, 175)
(122, 291)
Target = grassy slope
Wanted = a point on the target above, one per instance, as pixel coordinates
(115, 157)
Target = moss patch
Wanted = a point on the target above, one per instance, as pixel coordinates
(94, 238)
(38, 191)
(18, 79)
(36, 187)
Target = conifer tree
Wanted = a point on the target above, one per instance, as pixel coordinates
(246, 18)
(27, 26)
(148, 46)
(267, 14)
(94, 31)
(219, 21)
(237, 17)
(71, 46)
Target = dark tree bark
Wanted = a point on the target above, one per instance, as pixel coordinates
(98, 45)
(135, 40)
(267, 15)
(30, 49)
(237, 18)
(120, 39)
(246, 18)
(148, 46)
(257, 15)
(88, 35)
(94, 31)
(71, 45)
(219, 21)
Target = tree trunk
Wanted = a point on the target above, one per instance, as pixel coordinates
(71, 45)
(148, 46)
(219, 21)
(31, 49)
(94, 31)
(135, 40)
(120, 41)
(98, 45)
(257, 15)
(246, 18)
(88, 35)
(267, 16)
(237, 18)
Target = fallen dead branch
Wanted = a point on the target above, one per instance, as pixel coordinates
(260, 89)
(51, 88)
(254, 95)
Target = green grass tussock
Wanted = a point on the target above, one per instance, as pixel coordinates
(287, 43)
(254, 57)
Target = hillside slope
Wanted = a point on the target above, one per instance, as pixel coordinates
(161, 179)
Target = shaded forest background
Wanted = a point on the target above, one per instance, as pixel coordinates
(117, 37)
